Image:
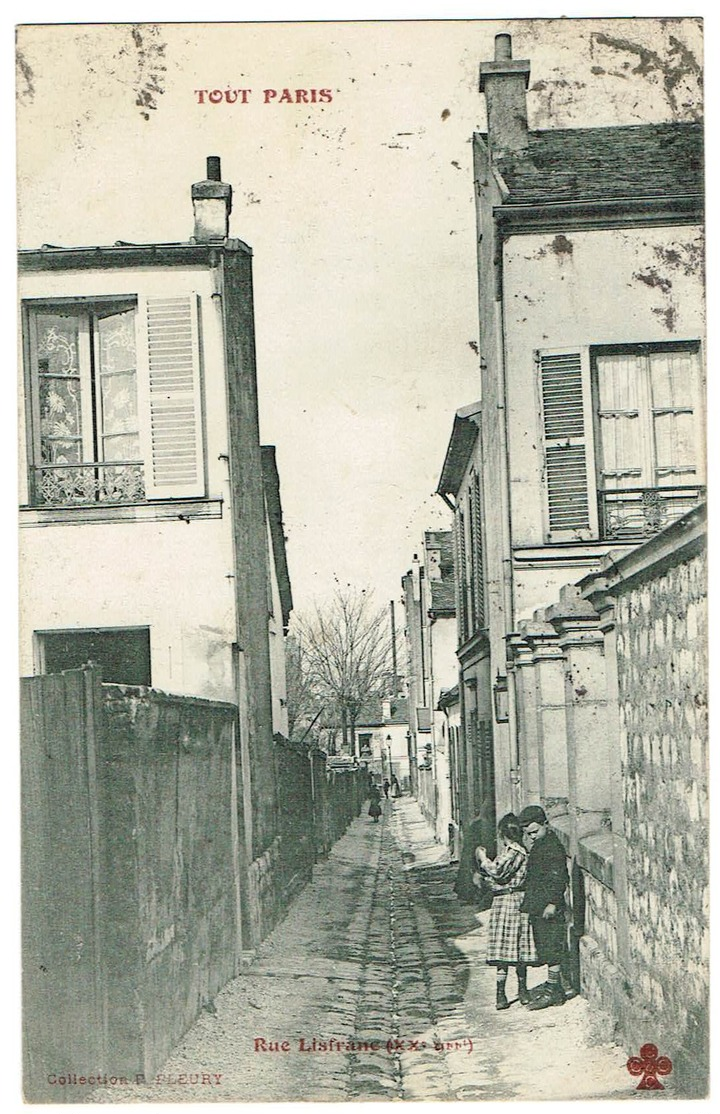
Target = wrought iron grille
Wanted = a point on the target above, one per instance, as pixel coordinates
(98, 482)
(643, 511)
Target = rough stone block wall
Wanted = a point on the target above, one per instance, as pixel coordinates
(264, 893)
(662, 672)
(601, 916)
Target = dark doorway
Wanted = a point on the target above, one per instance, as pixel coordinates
(122, 653)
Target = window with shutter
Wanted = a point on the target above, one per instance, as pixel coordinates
(647, 405)
(114, 400)
(567, 437)
(171, 401)
(462, 618)
(478, 558)
(83, 415)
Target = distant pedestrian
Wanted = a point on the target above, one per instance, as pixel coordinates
(397, 791)
(510, 940)
(375, 811)
(386, 789)
(545, 882)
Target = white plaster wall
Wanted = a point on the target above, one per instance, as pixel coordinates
(172, 576)
(586, 288)
(443, 633)
(398, 746)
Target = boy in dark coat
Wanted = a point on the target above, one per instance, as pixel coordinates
(544, 901)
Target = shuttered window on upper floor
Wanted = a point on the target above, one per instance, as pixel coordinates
(571, 512)
(170, 390)
(114, 410)
(478, 561)
(622, 437)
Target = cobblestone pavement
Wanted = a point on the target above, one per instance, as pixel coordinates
(374, 987)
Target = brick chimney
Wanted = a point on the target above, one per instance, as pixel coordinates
(212, 204)
(504, 82)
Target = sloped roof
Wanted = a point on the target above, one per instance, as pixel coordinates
(448, 697)
(371, 714)
(271, 486)
(596, 164)
(462, 442)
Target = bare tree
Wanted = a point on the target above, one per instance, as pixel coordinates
(304, 704)
(347, 646)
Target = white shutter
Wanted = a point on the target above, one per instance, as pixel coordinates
(567, 442)
(170, 397)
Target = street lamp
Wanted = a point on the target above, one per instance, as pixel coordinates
(389, 749)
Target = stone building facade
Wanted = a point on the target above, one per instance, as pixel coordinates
(585, 662)
(151, 534)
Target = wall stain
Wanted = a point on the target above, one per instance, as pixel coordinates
(26, 91)
(679, 65)
(668, 316)
(689, 258)
(149, 79)
(651, 278)
(561, 245)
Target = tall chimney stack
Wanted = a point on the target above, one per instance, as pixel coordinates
(504, 82)
(212, 204)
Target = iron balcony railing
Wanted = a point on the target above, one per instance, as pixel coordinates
(96, 482)
(640, 512)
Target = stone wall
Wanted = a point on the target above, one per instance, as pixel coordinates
(661, 625)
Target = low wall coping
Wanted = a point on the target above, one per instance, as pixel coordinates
(561, 826)
(158, 696)
(595, 855)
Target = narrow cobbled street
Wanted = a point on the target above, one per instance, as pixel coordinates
(374, 987)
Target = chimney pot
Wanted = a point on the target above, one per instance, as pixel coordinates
(212, 204)
(504, 82)
(503, 49)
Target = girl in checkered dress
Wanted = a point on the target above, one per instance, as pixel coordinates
(510, 939)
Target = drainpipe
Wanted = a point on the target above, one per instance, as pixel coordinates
(506, 538)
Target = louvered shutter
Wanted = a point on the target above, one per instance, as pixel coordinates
(478, 556)
(460, 575)
(170, 397)
(567, 440)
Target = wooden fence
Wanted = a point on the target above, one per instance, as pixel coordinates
(133, 869)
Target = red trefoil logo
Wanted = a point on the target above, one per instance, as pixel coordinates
(649, 1065)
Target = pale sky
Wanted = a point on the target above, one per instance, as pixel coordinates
(359, 211)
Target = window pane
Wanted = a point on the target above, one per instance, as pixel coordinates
(620, 428)
(59, 388)
(121, 448)
(117, 342)
(674, 448)
(672, 377)
(57, 340)
(119, 404)
(673, 386)
(618, 382)
(118, 386)
(60, 416)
